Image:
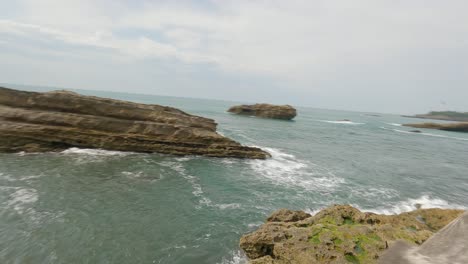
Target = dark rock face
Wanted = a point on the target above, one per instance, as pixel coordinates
(285, 112)
(54, 121)
(455, 127)
(339, 234)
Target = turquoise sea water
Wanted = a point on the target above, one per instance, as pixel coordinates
(94, 206)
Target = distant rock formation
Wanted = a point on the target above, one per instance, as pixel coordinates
(286, 112)
(456, 127)
(444, 115)
(54, 121)
(339, 234)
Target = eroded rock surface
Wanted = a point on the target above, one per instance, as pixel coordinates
(54, 121)
(339, 234)
(286, 112)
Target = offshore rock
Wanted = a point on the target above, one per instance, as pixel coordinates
(286, 112)
(340, 234)
(54, 121)
(455, 127)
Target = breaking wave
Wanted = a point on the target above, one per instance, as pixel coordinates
(95, 152)
(344, 122)
(423, 202)
(286, 169)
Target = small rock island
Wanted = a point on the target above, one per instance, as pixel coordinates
(285, 112)
(57, 120)
(343, 234)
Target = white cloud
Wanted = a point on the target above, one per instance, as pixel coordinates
(309, 46)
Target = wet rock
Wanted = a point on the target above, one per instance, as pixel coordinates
(285, 112)
(339, 234)
(54, 121)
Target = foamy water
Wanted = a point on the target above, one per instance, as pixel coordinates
(285, 169)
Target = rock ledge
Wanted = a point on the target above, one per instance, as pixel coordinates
(54, 121)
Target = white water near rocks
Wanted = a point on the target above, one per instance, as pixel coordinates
(98, 206)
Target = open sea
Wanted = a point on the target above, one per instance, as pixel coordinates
(96, 206)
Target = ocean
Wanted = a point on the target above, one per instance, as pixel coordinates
(97, 206)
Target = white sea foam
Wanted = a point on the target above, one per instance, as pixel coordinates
(22, 199)
(95, 152)
(235, 257)
(140, 175)
(343, 122)
(394, 124)
(424, 202)
(197, 189)
(285, 169)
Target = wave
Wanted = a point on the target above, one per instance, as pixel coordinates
(235, 257)
(197, 189)
(21, 199)
(285, 169)
(424, 134)
(410, 204)
(95, 152)
(344, 122)
(394, 124)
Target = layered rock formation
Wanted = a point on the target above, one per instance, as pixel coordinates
(286, 112)
(54, 121)
(339, 234)
(456, 127)
(444, 115)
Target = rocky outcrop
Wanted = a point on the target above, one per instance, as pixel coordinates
(449, 245)
(286, 112)
(455, 127)
(54, 121)
(339, 234)
(443, 115)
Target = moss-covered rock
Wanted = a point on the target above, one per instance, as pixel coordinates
(339, 234)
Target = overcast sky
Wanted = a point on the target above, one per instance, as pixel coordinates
(396, 56)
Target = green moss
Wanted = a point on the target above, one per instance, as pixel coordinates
(352, 259)
(348, 221)
(315, 239)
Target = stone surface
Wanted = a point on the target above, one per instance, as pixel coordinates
(449, 245)
(340, 234)
(286, 112)
(456, 127)
(54, 121)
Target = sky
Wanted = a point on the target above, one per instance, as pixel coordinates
(391, 56)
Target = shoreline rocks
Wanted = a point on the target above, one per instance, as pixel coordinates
(455, 127)
(285, 112)
(57, 120)
(339, 234)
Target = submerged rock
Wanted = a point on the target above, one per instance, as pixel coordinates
(339, 234)
(286, 112)
(54, 121)
(456, 127)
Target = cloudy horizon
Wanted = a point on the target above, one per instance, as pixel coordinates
(385, 56)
